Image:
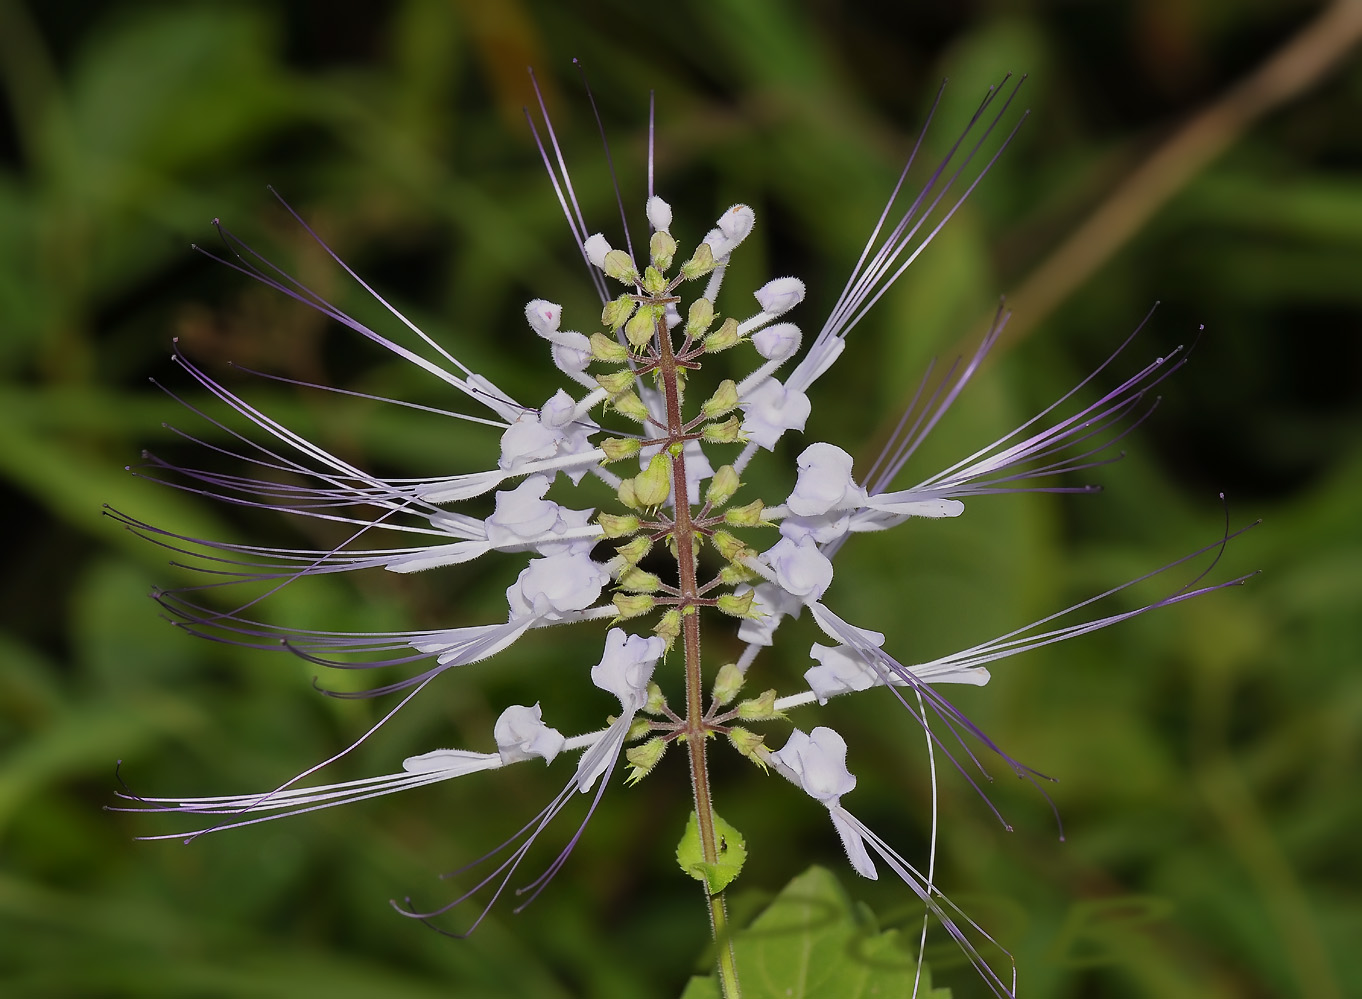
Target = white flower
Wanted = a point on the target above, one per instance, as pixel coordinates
(770, 409)
(638, 398)
(824, 482)
(801, 569)
(569, 581)
(521, 734)
(626, 666)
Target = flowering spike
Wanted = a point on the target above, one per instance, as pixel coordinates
(553, 540)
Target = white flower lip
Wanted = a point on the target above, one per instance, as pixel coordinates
(818, 762)
(521, 734)
(825, 483)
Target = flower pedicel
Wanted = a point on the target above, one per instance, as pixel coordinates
(658, 472)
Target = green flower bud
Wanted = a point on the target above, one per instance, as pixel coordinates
(656, 704)
(630, 405)
(733, 574)
(725, 336)
(625, 494)
(635, 580)
(731, 549)
(700, 264)
(616, 448)
(653, 281)
(725, 398)
(737, 606)
(616, 381)
(669, 627)
(643, 758)
(699, 317)
(620, 267)
(748, 744)
(640, 329)
(662, 248)
(616, 525)
(761, 708)
(629, 605)
(745, 516)
(728, 432)
(653, 485)
(722, 487)
(727, 683)
(608, 349)
(633, 552)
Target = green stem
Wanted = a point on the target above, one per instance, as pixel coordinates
(696, 735)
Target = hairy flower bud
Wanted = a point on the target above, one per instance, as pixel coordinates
(635, 580)
(735, 605)
(745, 516)
(616, 311)
(653, 485)
(728, 432)
(700, 263)
(616, 381)
(640, 329)
(699, 317)
(633, 552)
(761, 708)
(749, 744)
(618, 266)
(643, 758)
(607, 349)
(630, 605)
(724, 399)
(617, 448)
(630, 405)
(725, 336)
(668, 627)
(653, 281)
(722, 487)
(661, 250)
(727, 682)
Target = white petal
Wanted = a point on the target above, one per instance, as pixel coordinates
(849, 829)
(659, 214)
(453, 761)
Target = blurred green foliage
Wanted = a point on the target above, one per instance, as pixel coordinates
(1207, 755)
